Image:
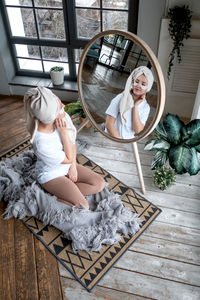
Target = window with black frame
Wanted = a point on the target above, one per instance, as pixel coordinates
(45, 33)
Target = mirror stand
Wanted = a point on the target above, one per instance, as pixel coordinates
(139, 168)
(83, 124)
(135, 152)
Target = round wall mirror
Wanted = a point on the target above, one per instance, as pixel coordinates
(121, 86)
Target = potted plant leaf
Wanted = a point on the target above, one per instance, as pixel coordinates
(57, 75)
(75, 108)
(178, 143)
(76, 112)
(179, 29)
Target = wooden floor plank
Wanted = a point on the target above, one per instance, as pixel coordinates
(167, 249)
(48, 286)
(72, 291)
(144, 285)
(8, 100)
(177, 217)
(17, 131)
(160, 267)
(8, 108)
(7, 258)
(25, 264)
(176, 233)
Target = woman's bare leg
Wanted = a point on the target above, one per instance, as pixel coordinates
(66, 191)
(88, 181)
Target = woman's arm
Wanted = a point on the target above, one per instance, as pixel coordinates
(72, 174)
(110, 126)
(61, 126)
(137, 125)
(74, 154)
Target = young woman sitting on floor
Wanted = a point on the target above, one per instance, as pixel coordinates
(53, 136)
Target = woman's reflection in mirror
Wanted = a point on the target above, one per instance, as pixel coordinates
(128, 111)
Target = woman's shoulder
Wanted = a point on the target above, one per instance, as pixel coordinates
(117, 98)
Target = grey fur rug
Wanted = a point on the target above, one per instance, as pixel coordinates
(88, 229)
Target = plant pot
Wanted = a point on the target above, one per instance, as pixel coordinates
(57, 75)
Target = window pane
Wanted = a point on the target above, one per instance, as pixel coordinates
(123, 4)
(27, 51)
(19, 2)
(115, 20)
(77, 66)
(49, 64)
(51, 24)
(88, 22)
(78, 53)
(29, 64)
(21, 21)
(50, 3)
(87, 3)
(54, 53)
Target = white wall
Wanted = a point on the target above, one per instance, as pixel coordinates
(149, 21)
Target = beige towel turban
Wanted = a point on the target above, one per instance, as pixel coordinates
(127, 102)
(40, 105)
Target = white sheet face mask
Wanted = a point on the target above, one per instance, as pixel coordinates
(143, 87)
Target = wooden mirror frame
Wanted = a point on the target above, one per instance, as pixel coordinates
(157, 72)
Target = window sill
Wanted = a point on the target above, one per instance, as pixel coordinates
(71, 86)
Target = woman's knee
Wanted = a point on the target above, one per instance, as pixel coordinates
(99, 182)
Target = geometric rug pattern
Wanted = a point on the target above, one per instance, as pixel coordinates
(88, 269)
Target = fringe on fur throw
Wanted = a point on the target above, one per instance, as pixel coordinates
(88, 229)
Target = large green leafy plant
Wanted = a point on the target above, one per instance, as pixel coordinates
(177, 143)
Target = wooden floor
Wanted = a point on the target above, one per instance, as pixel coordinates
(164, 263)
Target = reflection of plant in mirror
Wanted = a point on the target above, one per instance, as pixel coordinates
(179, 29)
(164, 177)
(177, 142)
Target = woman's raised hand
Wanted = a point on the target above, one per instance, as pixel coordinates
(139, 100)
(60, 125)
